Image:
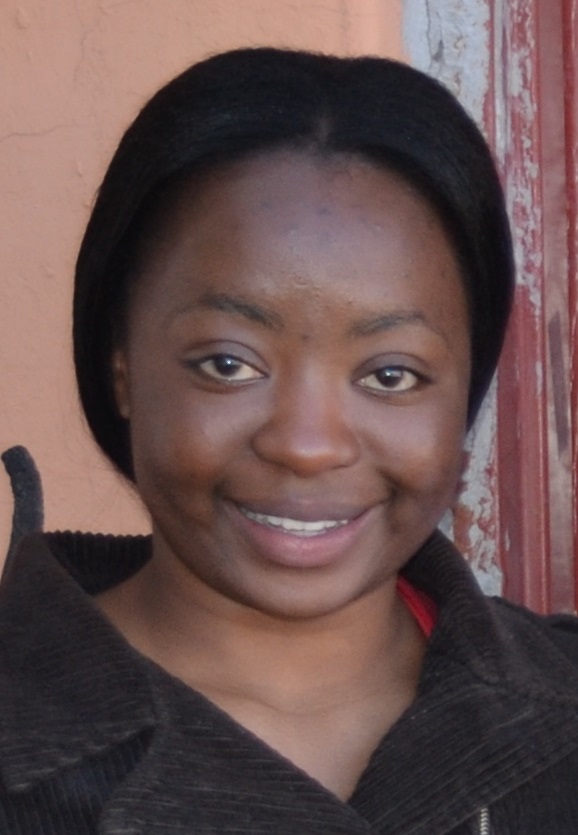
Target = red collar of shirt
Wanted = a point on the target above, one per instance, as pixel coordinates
(419, 604)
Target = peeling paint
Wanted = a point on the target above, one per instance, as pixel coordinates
(476, 513)
(490, 579)
(449, 39)
(521, 144)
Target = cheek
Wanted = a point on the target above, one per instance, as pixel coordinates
(182, 437)
(422, 451)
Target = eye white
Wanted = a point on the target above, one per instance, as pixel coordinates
(390, 379)
(229, 369)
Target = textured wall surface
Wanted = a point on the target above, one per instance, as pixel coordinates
(73, 73)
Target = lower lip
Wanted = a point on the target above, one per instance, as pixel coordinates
(291, 551)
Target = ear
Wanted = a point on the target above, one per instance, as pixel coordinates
(121, 382)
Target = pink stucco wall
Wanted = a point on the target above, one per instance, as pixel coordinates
(73, 73)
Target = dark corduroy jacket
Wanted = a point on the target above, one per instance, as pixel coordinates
(95, 738)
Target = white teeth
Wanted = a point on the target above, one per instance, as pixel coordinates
(297, 527)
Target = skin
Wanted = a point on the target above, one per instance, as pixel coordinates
(298, 348)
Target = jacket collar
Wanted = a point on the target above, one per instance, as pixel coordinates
(499, 643)
(497, 705)
(49, 718)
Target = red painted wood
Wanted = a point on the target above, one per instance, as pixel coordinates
(522, 417)
(535, 443)
(551, 87)
(570, 54)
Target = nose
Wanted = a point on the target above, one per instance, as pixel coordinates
(307, 431)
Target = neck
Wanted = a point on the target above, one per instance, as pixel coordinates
(369, 645)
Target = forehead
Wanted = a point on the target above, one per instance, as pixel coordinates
(274, 222)
(282, 183)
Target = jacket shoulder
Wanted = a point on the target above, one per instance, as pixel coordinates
(560, 629)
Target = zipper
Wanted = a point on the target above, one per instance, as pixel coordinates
(485, 821)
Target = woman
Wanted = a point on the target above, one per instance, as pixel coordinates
(290, 301)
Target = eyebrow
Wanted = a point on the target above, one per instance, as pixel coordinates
(273, 321)
(388, 321)
(238, 306)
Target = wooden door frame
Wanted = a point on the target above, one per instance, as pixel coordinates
(536, 440)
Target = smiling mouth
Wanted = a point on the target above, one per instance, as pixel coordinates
(296, 527)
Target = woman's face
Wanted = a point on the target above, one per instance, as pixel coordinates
(295, 374)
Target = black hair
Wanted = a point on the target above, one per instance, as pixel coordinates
(250, 100)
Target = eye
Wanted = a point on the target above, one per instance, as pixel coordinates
(391, 378)
(227, 368)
